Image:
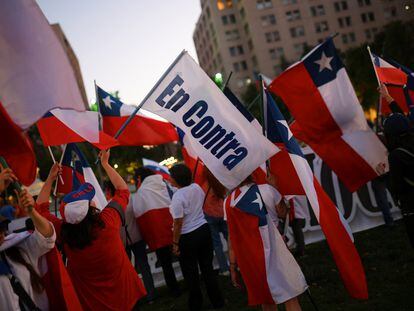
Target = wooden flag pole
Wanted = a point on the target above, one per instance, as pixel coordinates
(122, 128)
(378, 107)
(61, 179)
(54, 161)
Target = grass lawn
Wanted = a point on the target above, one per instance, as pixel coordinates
(389, 265)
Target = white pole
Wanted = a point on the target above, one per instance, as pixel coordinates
(373, 65)
(60, 162)
(54, 161)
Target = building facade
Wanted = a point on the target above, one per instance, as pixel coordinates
(248, 36)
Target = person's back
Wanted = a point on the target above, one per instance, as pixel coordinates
(151, 209)
(92, 268)
(101, 272)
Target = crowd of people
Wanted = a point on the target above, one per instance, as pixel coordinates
(175, 218)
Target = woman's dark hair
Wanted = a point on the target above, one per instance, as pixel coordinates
(181, 174)
(14, 253)
(143, 172)
(218, 189)
(84, 233)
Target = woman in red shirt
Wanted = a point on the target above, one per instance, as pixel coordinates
(97, 263)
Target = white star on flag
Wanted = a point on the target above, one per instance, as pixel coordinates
(324, 62)
(108, 101)
(284, 123)
(258, 201)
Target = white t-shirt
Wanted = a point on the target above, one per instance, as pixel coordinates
(32, 248)
(187, 203)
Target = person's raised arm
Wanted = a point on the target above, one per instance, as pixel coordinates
(383, 90)
(42, 225)
(116, 179)
(6, 177)
(44, 194)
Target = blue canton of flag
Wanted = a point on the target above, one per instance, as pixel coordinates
(323, 63)
(251, 203)
(277, 129)
(108, 104)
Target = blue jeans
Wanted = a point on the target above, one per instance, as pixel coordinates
(218, 225)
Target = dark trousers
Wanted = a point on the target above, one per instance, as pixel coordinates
(379, 187)
(142, 266)
(196, 250)
(165, 258)
(297, 225)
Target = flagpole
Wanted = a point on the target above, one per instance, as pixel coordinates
(263, 112)
(249, 106)
(60, 162)
(227, 81)
(98, 106)
(122, 128)
(54, 161)
(378, 107)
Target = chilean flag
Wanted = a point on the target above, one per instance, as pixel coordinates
(58, 284)
(301, 179)
(320, 96)
(63, 126)
(269, 270)
(144, 129)
(157, 168)
(76, 171)
(399, 81)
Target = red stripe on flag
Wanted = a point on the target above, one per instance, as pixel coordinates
(397, 93)
(54, 132)
(246, 239)
(391, 75)
(17, 149)
(141, 131)
(156, 227)
(343, 250)
(58, 285)
(319, 129)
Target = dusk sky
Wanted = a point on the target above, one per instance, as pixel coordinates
(125, 45)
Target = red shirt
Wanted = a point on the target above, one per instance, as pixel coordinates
(101, 273)
(213, 205)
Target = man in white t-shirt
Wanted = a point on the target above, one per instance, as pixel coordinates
(192, 238)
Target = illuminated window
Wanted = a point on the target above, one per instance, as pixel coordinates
(224, 4)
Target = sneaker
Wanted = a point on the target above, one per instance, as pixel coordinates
(225, 273)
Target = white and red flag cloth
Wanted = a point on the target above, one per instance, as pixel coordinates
(156, 167)
(144, 129)
(399, 81)
(63, 126)
(268, 268)
(35, 73)
(151, 209)
(290, 164)
(35, 77)
(320, 96)
(76, 171)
